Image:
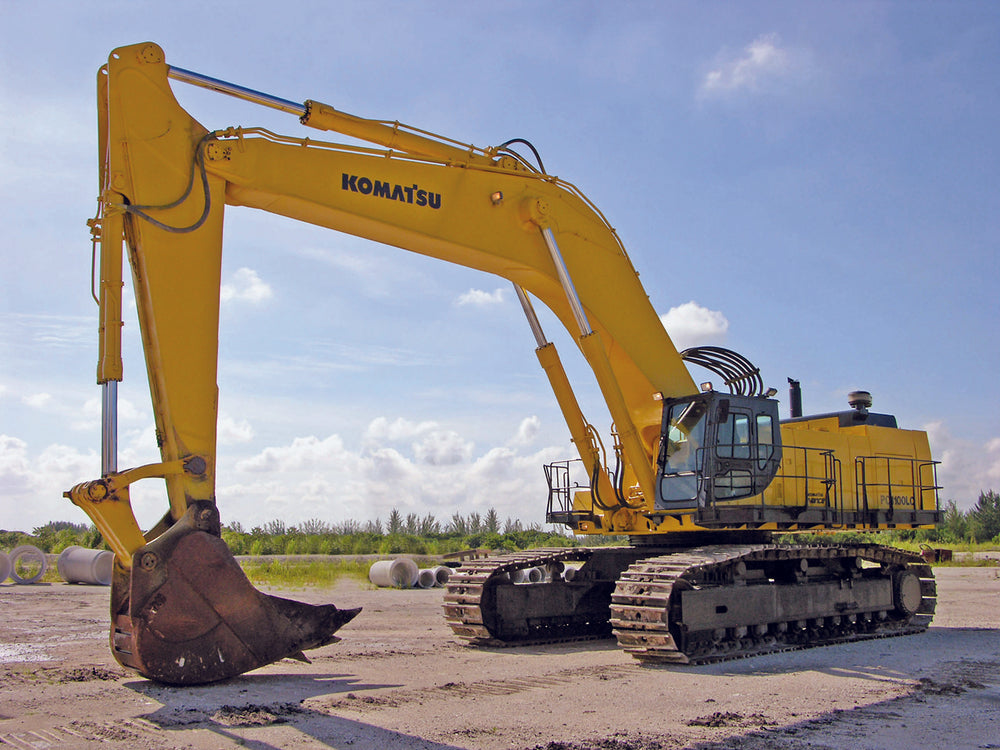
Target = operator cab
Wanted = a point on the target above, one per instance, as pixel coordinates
(716, 447)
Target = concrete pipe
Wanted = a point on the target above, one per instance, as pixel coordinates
(28, 553)
(527, 575)
(4, 567)
(441, 575)
(401, 573)
(426, 578)
(81, 565)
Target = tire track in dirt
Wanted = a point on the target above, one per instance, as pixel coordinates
(496, 687)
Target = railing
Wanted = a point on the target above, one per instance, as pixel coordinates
(817, 480)
(812, 480)
(885, 482)
(814, 483)
(562, 486)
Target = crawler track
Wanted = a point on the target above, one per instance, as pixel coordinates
(696, 605)
(649, 605)
(469, 608)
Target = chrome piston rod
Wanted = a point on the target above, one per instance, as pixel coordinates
(232, 89)
(109, 427)
(567, 283)
(529, 313)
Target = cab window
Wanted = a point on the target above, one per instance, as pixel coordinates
(734, 436)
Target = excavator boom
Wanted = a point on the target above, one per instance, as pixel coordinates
(165, 181)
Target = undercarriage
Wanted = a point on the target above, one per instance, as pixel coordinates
(693, 605)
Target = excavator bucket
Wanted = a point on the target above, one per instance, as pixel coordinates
(186, 614)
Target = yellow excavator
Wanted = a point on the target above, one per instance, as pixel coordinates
(698, 478)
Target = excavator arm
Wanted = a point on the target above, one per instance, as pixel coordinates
(165, 181)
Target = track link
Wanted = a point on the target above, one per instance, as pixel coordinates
(647, 611)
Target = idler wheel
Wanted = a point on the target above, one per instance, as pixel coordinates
(906, 592)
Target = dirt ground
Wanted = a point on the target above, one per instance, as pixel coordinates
(399, 679)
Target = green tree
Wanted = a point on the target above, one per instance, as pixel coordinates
(395, 523)
(512, 525)
(954, 524)
(491, 525)
(314, 526)
(475, 523)
(428, 526)
(350, 527)
(984, 518)
(275, 528)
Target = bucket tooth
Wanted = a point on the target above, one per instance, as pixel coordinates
(186, 614)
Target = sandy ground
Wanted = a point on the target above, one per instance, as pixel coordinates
(399, 679)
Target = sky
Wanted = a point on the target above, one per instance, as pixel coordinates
(811, 184)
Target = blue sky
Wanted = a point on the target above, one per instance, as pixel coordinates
(811, 184)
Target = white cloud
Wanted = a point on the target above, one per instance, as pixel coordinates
(47, 332)
(89, 416)
(387, 466)
(966, 468)
(479, 298)
(32, 485)
(762, 63)
(37, 400)
(442, 448)
(527, 431)
(430, 445)
(14, 466)
(381, 429)
(137, 447)
(691, 324)
(413, 466)
(231, 432)
(246, 286)
(304, 452)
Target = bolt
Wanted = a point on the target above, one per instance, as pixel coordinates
(195, 465)
(148, 561)
(97, 491)
(151, 54)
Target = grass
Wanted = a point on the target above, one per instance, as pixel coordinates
(292, 573)
(965, 549)
(969, 562)
(28, 566)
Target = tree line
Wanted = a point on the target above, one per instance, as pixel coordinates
(981, 523)
(425, 535)
(410, 534)
(399, 534)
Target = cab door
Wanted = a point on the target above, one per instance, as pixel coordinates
(716, 448)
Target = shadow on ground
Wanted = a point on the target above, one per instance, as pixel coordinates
(238, 708)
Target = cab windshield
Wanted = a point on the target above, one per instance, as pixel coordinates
(682, 454)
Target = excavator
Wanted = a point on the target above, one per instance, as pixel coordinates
(700, 478)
